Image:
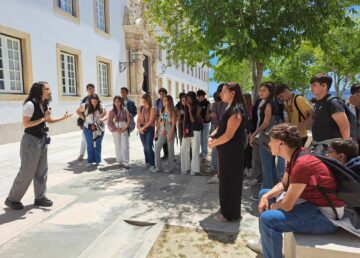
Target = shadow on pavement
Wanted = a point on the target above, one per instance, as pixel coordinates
(12, 215)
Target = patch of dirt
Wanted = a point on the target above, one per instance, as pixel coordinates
(181, 242)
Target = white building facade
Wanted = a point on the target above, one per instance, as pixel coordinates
(69, 43)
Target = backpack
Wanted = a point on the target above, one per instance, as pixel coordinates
(354, 123)
(132, 123)
(301, 115)
(347, 182)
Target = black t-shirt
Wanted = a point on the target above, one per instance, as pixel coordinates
(324, 127)
(204, 105)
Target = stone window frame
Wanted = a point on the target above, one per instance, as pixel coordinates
(100, 59)
(106, 33)
(27, 75)
(75, 17)
(79, 74)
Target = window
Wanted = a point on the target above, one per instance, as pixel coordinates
(11, 77)
(102, 19)
(103, 79)
(192, 71)
(104, 76)
(66, 6)
(68, 9)
(68, 74)
(177, 90)
(187, 69)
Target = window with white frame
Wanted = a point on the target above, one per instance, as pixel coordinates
(100, 15)
(66, 5)
(103, 70)
(11, 78)
(68, 74)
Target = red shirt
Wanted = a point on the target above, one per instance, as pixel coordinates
(311, 171)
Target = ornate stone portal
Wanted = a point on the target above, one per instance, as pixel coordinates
(140, 39)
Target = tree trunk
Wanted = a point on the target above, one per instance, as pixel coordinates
(257, 74)
(346, 81)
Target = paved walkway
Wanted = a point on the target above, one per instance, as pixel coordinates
(92, 206)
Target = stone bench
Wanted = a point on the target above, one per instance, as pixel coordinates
(341, 244)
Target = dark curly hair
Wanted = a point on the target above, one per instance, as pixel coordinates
(36, 93)
(289, 134)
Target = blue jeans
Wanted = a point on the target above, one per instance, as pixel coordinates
(147, 140)
(214, 159)
(268, 168)
(94, 154)
(204, 140)
(305, 218)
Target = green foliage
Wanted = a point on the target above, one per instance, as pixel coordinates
(229, 71)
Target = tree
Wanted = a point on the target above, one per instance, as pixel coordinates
(342, 55)
(296, 69)
(228, 71)
(247, 29)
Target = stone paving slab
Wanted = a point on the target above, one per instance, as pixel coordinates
(101, 199)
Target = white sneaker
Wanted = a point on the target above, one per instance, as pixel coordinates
(255, 245)
(89, 165)
(100, 164)
(167, 170)
(154, 170)
(192, 173)
(213, 180)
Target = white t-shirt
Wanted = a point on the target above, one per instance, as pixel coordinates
(28, 109)
(93, 118)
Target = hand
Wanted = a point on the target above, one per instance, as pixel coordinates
(141, 130)
(263, 204)
(211, 144)
(274, 206)
(47, 115)
(66, 115)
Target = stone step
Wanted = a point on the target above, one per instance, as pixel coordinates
(124, 239)
(340, 244)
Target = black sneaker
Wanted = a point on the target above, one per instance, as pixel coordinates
(44, 202)
(14, 205)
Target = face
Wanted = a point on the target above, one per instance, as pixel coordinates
(94, 102)
(188, 100)
(201, 98)
(162, 95)
(285, 96)
(227, 95)
(274, 145)
(165, 102)
(317, 88)
(46, 94)
(123, 94)
(264, 93)
(145, 104)
(338, 156)
(183, 101)
(90, 90)
(117, 103)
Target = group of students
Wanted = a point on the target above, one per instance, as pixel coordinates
(242, 137)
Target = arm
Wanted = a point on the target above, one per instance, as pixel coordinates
(232, 125)
(104, 115)
(158, 124)
(342, 122)
(152, 118)
(128, 119)
(80, 111)
(110, 122)
(28, 123)
(292, 195)
(54, 120)
(265, 124)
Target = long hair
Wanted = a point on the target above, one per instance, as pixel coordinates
(193, 110)
(91, 108)
(117, 97)
(148, 100)
(36, 93)
(248, 102)
(171, 106)
(238, 100)
(271, 88)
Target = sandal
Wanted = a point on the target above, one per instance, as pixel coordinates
(219, 217)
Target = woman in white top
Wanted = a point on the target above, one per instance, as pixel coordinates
(165, 132)
(94, 115)
(118, 123)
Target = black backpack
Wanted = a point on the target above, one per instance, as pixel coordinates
(354, 124)
(347, 182)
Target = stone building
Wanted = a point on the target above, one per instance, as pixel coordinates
(70, 43)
